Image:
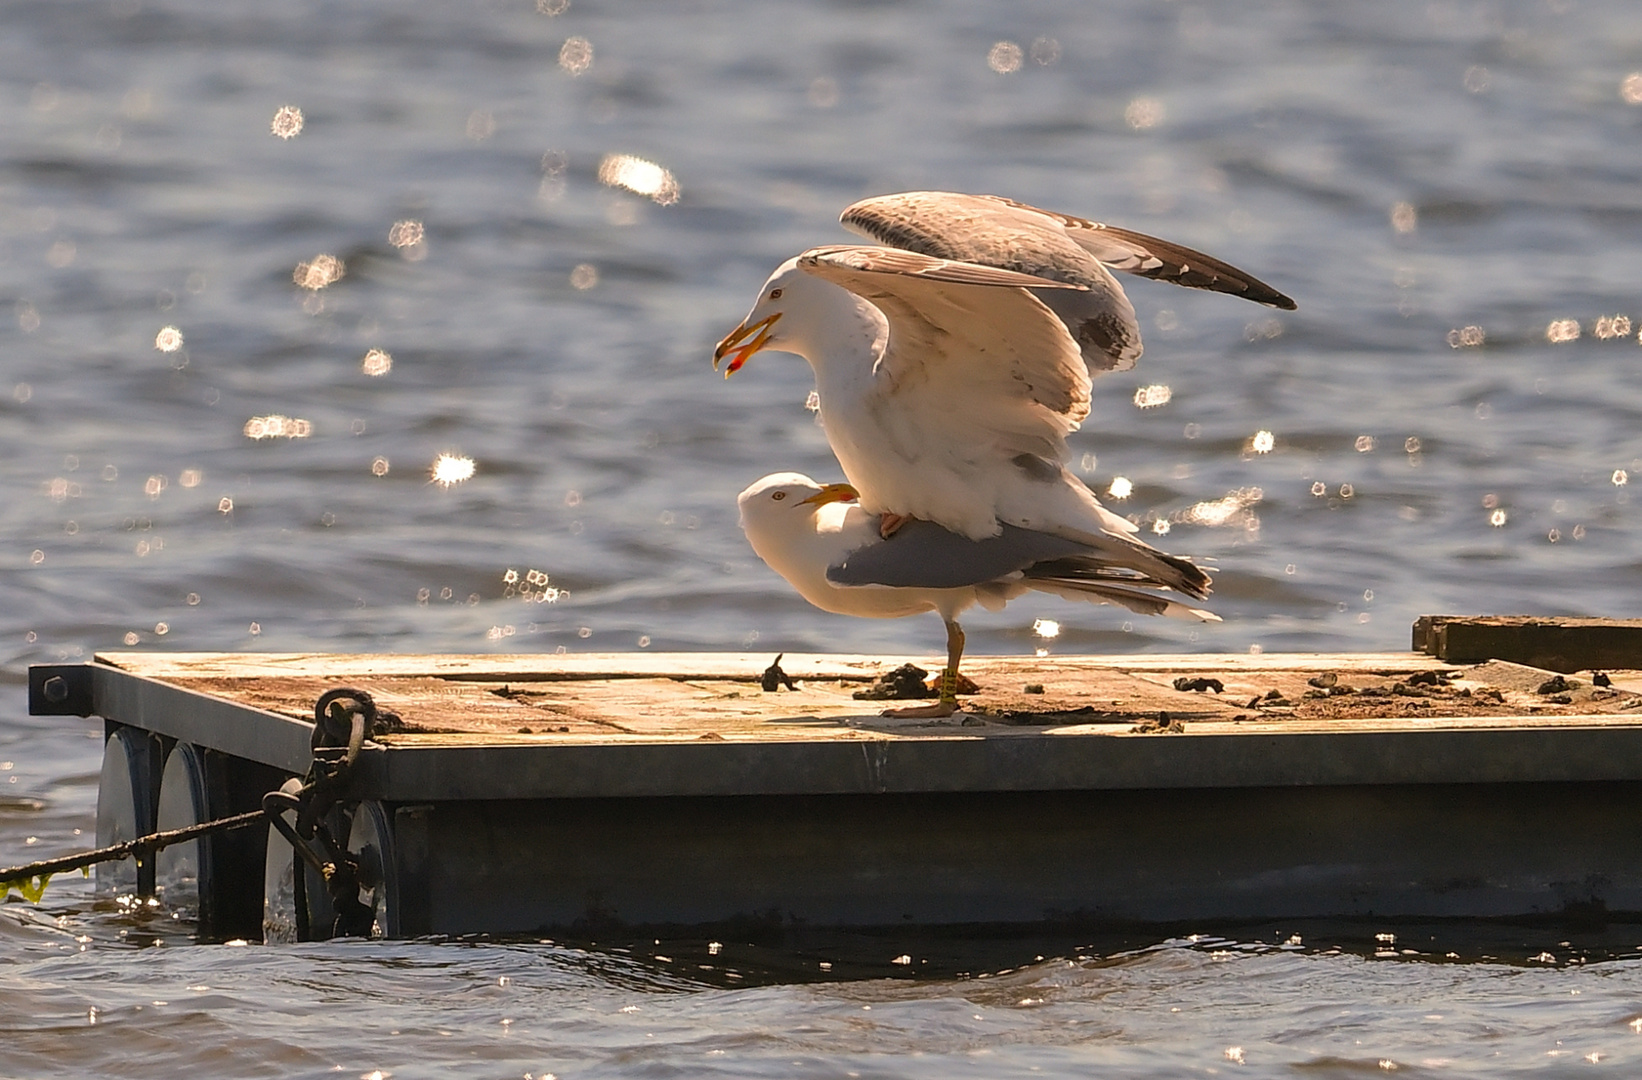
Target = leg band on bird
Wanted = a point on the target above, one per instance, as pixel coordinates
(954, 653)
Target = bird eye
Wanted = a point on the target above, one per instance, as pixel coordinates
(778, 496)
(775, 294)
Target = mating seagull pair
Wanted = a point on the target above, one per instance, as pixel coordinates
(950, 367)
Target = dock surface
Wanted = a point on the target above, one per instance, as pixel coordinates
(668, 696)
(700, 724)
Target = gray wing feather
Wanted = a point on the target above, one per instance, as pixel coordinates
(884, 260)
(1161, 260)
(922, 555)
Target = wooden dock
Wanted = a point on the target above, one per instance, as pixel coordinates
(576, 793)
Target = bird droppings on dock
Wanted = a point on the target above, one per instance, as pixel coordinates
(774, 678)
(1163, 724)
(903, 683)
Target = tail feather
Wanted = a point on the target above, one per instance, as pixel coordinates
(1106, 592)
(1132, 562)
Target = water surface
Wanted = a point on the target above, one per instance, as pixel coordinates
(1405, 171)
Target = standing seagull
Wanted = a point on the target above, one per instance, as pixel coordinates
(951, 367)
(830, 550)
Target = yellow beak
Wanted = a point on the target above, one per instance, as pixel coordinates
(831, 493)
(737, 343)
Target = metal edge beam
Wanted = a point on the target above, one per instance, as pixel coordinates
(1060, 763)
(100, 690)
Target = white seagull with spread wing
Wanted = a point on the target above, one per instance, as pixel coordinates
(951, 367)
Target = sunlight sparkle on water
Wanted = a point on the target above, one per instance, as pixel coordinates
(451, 469)
(1227, 510)
(1120, 488)
(1621, 478)
(1404, 218)
(1630, 89)
(277, 426)
(379, 466)
(1263, 330)
(377, 363)
(1005, 57)
(1262, 442)
(1561, 330)
(1467, 337)
(287, 122)
(1497, 518)
(639, 176)
(1150, 397)
(533, 587)
(1046, 628)
(169, 339)
(1143, 113)
(405, 234)
(320, 272)
(1612, 326)
(576, 55)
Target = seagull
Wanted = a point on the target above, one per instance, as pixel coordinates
(829, 548)
(951, 366)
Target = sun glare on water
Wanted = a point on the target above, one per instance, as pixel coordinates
(451, 469)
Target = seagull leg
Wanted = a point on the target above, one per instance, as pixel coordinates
(948, 702)
(888, 523)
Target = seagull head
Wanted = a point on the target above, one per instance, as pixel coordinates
(798, 312)
(759, 330)
(788, 499)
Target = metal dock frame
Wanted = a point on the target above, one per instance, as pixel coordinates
(1029, 831)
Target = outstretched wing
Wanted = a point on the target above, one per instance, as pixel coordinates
(996, 231)
(973, 359)
(992, 232)
(1161, 260)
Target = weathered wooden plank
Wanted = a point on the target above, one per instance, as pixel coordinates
(546, 699)
(1555, 644)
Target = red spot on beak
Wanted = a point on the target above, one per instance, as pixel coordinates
(742, 342)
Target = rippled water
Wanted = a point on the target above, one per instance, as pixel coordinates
(1405, 171)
